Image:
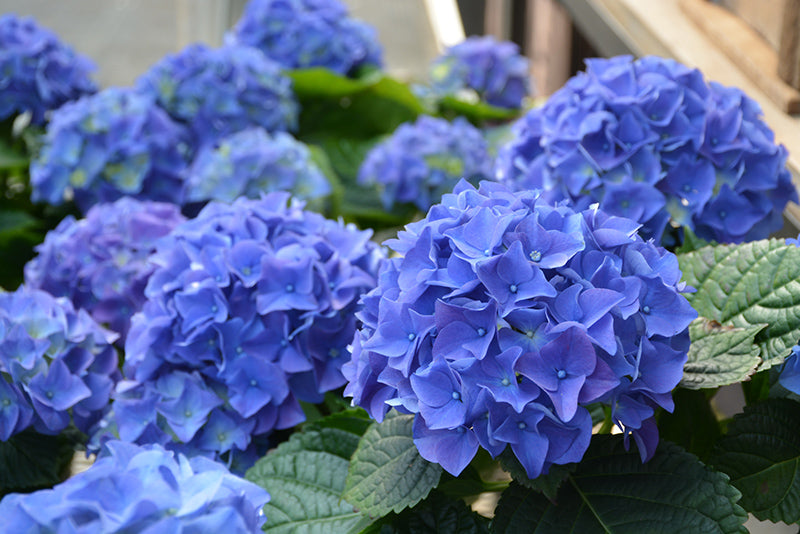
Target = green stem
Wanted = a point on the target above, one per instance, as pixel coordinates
(608, 423)
(495, 486)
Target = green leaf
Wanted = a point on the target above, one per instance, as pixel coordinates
(746, 286)
(358, 108)
(386, 471)
(435, 515)
(761, 454)
(30, 461)
(720, 355)
(692, 411)
(548, 484)
(475, 112)
(305, 477)
(11, 157)
(612, 491)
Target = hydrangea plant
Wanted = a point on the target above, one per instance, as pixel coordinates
(492, 70)
(650, 139)
(38, 72)
(100, 262)
(112, 144)
(219, 91)
(502, 318)
(57, 364)
(308, 33)
(132, 488)
(425, 159)
(251, 162)
(250, 309)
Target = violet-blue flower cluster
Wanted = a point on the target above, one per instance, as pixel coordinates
(112, 144)
(100, 262)
(38, 72)
(141, 489)
(219, 91)
(502, 318)
(56, 362)
(493, 70)
(252, 162)
(650, 139)
(250, 309)
(423, 160)
(308, 33)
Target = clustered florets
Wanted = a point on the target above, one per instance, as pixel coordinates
(100, 262)
(493, 70)
(425, 159)
(502, 318)
(38, 73)
(651, 140)
(250, 309)
(58, 365)
(308, 33)
(252, 162)
(111, 144)
(215, 92)
(140, 489)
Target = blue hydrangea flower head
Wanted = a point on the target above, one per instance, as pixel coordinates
(425, 159)
(38, 72)
(652, 140)
(251, 162)
(58, 364)
(219, 91)
(112, 144)
(132, 488)
(493, 70)
(249, 310)
(100, 262)
(308, 33)
(501, 318)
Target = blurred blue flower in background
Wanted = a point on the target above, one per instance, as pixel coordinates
(132, 488)
(58, 364)
(650, 139)
(494, 70)
(501, 318)
(100, 262)
(38, 72)
(308, 33)
(425, 159)
(219, 91)
(252, 162)
(112, 144)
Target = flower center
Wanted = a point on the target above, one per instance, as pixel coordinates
(645, 309)
(535, 255)
(561, 373)
(481, 331)
(512, 288)
(456, 395)
(289, 288)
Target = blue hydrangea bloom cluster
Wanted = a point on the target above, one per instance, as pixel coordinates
(55, 362)
(112, 144)
(219, 91)
(502, 318)
(425, 159)
(250, 309)
(38, 72)
(308, 33)
(140, 489)
(493, 70)
(100, 262)
(251, 162)
(790, 371)
(650, 139)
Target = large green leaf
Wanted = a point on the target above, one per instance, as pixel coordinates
(693, 424)
(746, 286)
(720, 355)
(612, 491)
(30, 461)
(437, 514)
(305, 478)
(386, 471)
(761, 454)
(548, 484)
(366, 107)
(475, 112)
